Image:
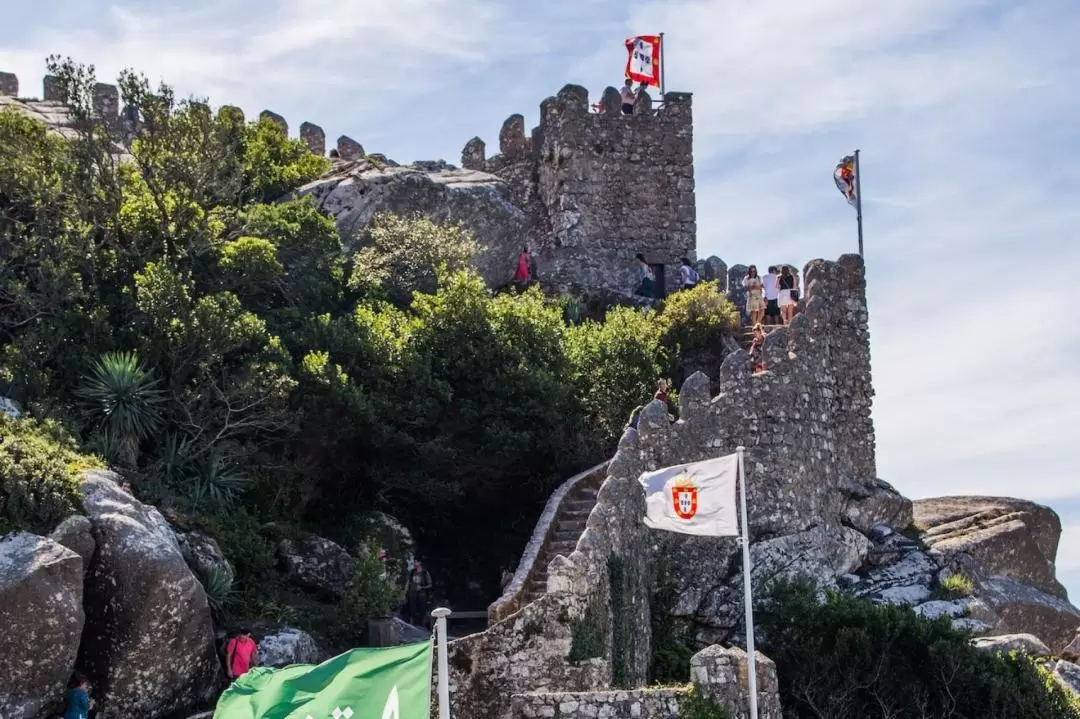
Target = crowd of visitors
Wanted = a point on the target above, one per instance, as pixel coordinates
(772, 299)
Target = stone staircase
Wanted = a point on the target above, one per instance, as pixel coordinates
(557, 531)
(570, 523)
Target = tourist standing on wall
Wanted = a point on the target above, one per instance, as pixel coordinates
(627, 94)
(755, 299)
(788, 298)
(688, 275)
(770, 285)
(647, 277)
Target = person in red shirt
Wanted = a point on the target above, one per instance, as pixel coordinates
(241, 654)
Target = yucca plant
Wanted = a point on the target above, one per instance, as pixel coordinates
(123, 397)
(218, 585)
(213, 483)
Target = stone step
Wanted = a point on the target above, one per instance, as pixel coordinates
(569, 535)
(575, 524)
(562, 547)
(584, 493)
(574, 506)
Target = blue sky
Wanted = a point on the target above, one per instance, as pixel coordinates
(966, 112)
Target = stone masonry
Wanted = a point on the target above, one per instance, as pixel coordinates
(596, 188)
(599, 187)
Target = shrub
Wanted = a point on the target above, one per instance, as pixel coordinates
(954, 586)
(697, 318)
(39, 474)
(370, 595)
(848, 657)
(404, 255)
(588, 635)
(695, 705)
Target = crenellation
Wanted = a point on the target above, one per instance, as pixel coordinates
(611, 102)
(474, 155)
(9, 84)
(643, 104)
(52, 92)
(350, 149)
(275, 118)
(512, 140)
(313, 136)
(106, 101)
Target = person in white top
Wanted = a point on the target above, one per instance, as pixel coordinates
(771, 286)
(688, 274)
(627, 93)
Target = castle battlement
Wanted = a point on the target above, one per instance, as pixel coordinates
(601, 186)
(597, 186)
(107, 106)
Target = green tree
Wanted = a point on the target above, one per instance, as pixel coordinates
(615, 365)
(848, 657)
(402, 255)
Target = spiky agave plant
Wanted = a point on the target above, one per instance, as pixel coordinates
(124, 397)
(214, 483)
(218, 585)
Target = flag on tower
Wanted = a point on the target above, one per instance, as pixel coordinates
(643, 59)
(390, 683)
(696, 498)
(844, 174)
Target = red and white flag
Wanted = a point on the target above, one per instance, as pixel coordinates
(643, 59)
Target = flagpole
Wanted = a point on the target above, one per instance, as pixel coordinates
(663, 66)
(858, 188)
(440, 615)
(748, 600)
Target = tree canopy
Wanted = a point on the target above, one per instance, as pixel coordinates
(201, 329)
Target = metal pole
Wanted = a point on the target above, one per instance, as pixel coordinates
(858, 198)
(751, 654)
(440, 615)
(663, 66)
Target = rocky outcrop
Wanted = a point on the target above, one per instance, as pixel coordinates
(354, 192)
(41, 613)
(998, 536)
(203, 554)
(76, 533)
(149, 639)
(317, 564)
(1007, 643)
(1068, 674)
(289, 646)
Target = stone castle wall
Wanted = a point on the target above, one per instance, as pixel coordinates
(812, 492)
(107, 106)
(600, 187)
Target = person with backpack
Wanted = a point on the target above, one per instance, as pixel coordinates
(241, 654)
(689, 275)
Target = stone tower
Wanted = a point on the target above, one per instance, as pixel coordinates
(600, 187)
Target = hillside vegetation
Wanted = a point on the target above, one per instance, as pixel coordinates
(206, 336)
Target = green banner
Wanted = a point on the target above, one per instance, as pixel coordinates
(390, 683)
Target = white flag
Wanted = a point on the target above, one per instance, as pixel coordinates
(696, 498)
